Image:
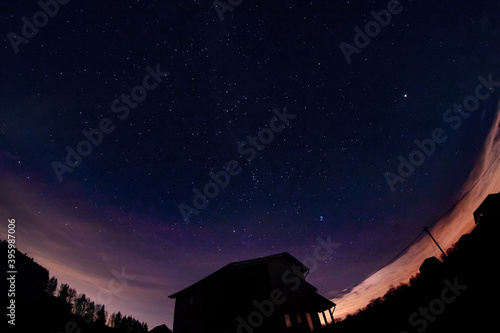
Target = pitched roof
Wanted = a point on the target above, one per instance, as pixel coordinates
(490, 205)
(321, 303)
(240, 265)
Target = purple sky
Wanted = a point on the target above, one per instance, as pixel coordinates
(91, 82)
(83, 244)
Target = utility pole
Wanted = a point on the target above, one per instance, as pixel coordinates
(429, 233)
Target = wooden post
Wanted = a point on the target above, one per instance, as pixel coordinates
(429, 233)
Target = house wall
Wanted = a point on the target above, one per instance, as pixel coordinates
(298, 302)
(227, 302)
(217, 306)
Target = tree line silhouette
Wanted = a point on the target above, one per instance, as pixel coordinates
(457, 293)
(44, 306)
(82, 306)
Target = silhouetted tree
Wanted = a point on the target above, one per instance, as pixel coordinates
(63, 292)
(373, 303)
(71, 295)
(137, 326)
(414, 280)
(50, 314)
(51, 286)
(395, 292)
(80, 305)
(127, 324)
(118, 320)
(111, 320)
(90, 310)
(100, 314)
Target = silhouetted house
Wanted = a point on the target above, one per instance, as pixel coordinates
(489, 210)
(267, 294)
(431, 267)
(160, 329)
(487, 218)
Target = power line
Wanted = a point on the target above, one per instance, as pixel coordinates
(434, 222)
(446, 212)
(435, 241)
(466, 193)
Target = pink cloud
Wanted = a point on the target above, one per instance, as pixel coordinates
(484, 179)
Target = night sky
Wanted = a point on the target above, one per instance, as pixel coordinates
(119, 118)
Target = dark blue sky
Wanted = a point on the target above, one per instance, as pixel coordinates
(322, 175)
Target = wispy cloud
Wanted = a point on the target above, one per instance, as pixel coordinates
(484, 179)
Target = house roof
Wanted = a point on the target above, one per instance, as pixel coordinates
(490, 205)
(240, 265)
(321, 303)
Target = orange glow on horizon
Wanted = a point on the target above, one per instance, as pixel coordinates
(447, 230)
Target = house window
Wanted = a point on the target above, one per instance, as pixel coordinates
(288, 322)
(328, 317)
(309, 321)
(299, 318)
(321, 319)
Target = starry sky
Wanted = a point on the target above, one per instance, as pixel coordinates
(115, 116)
